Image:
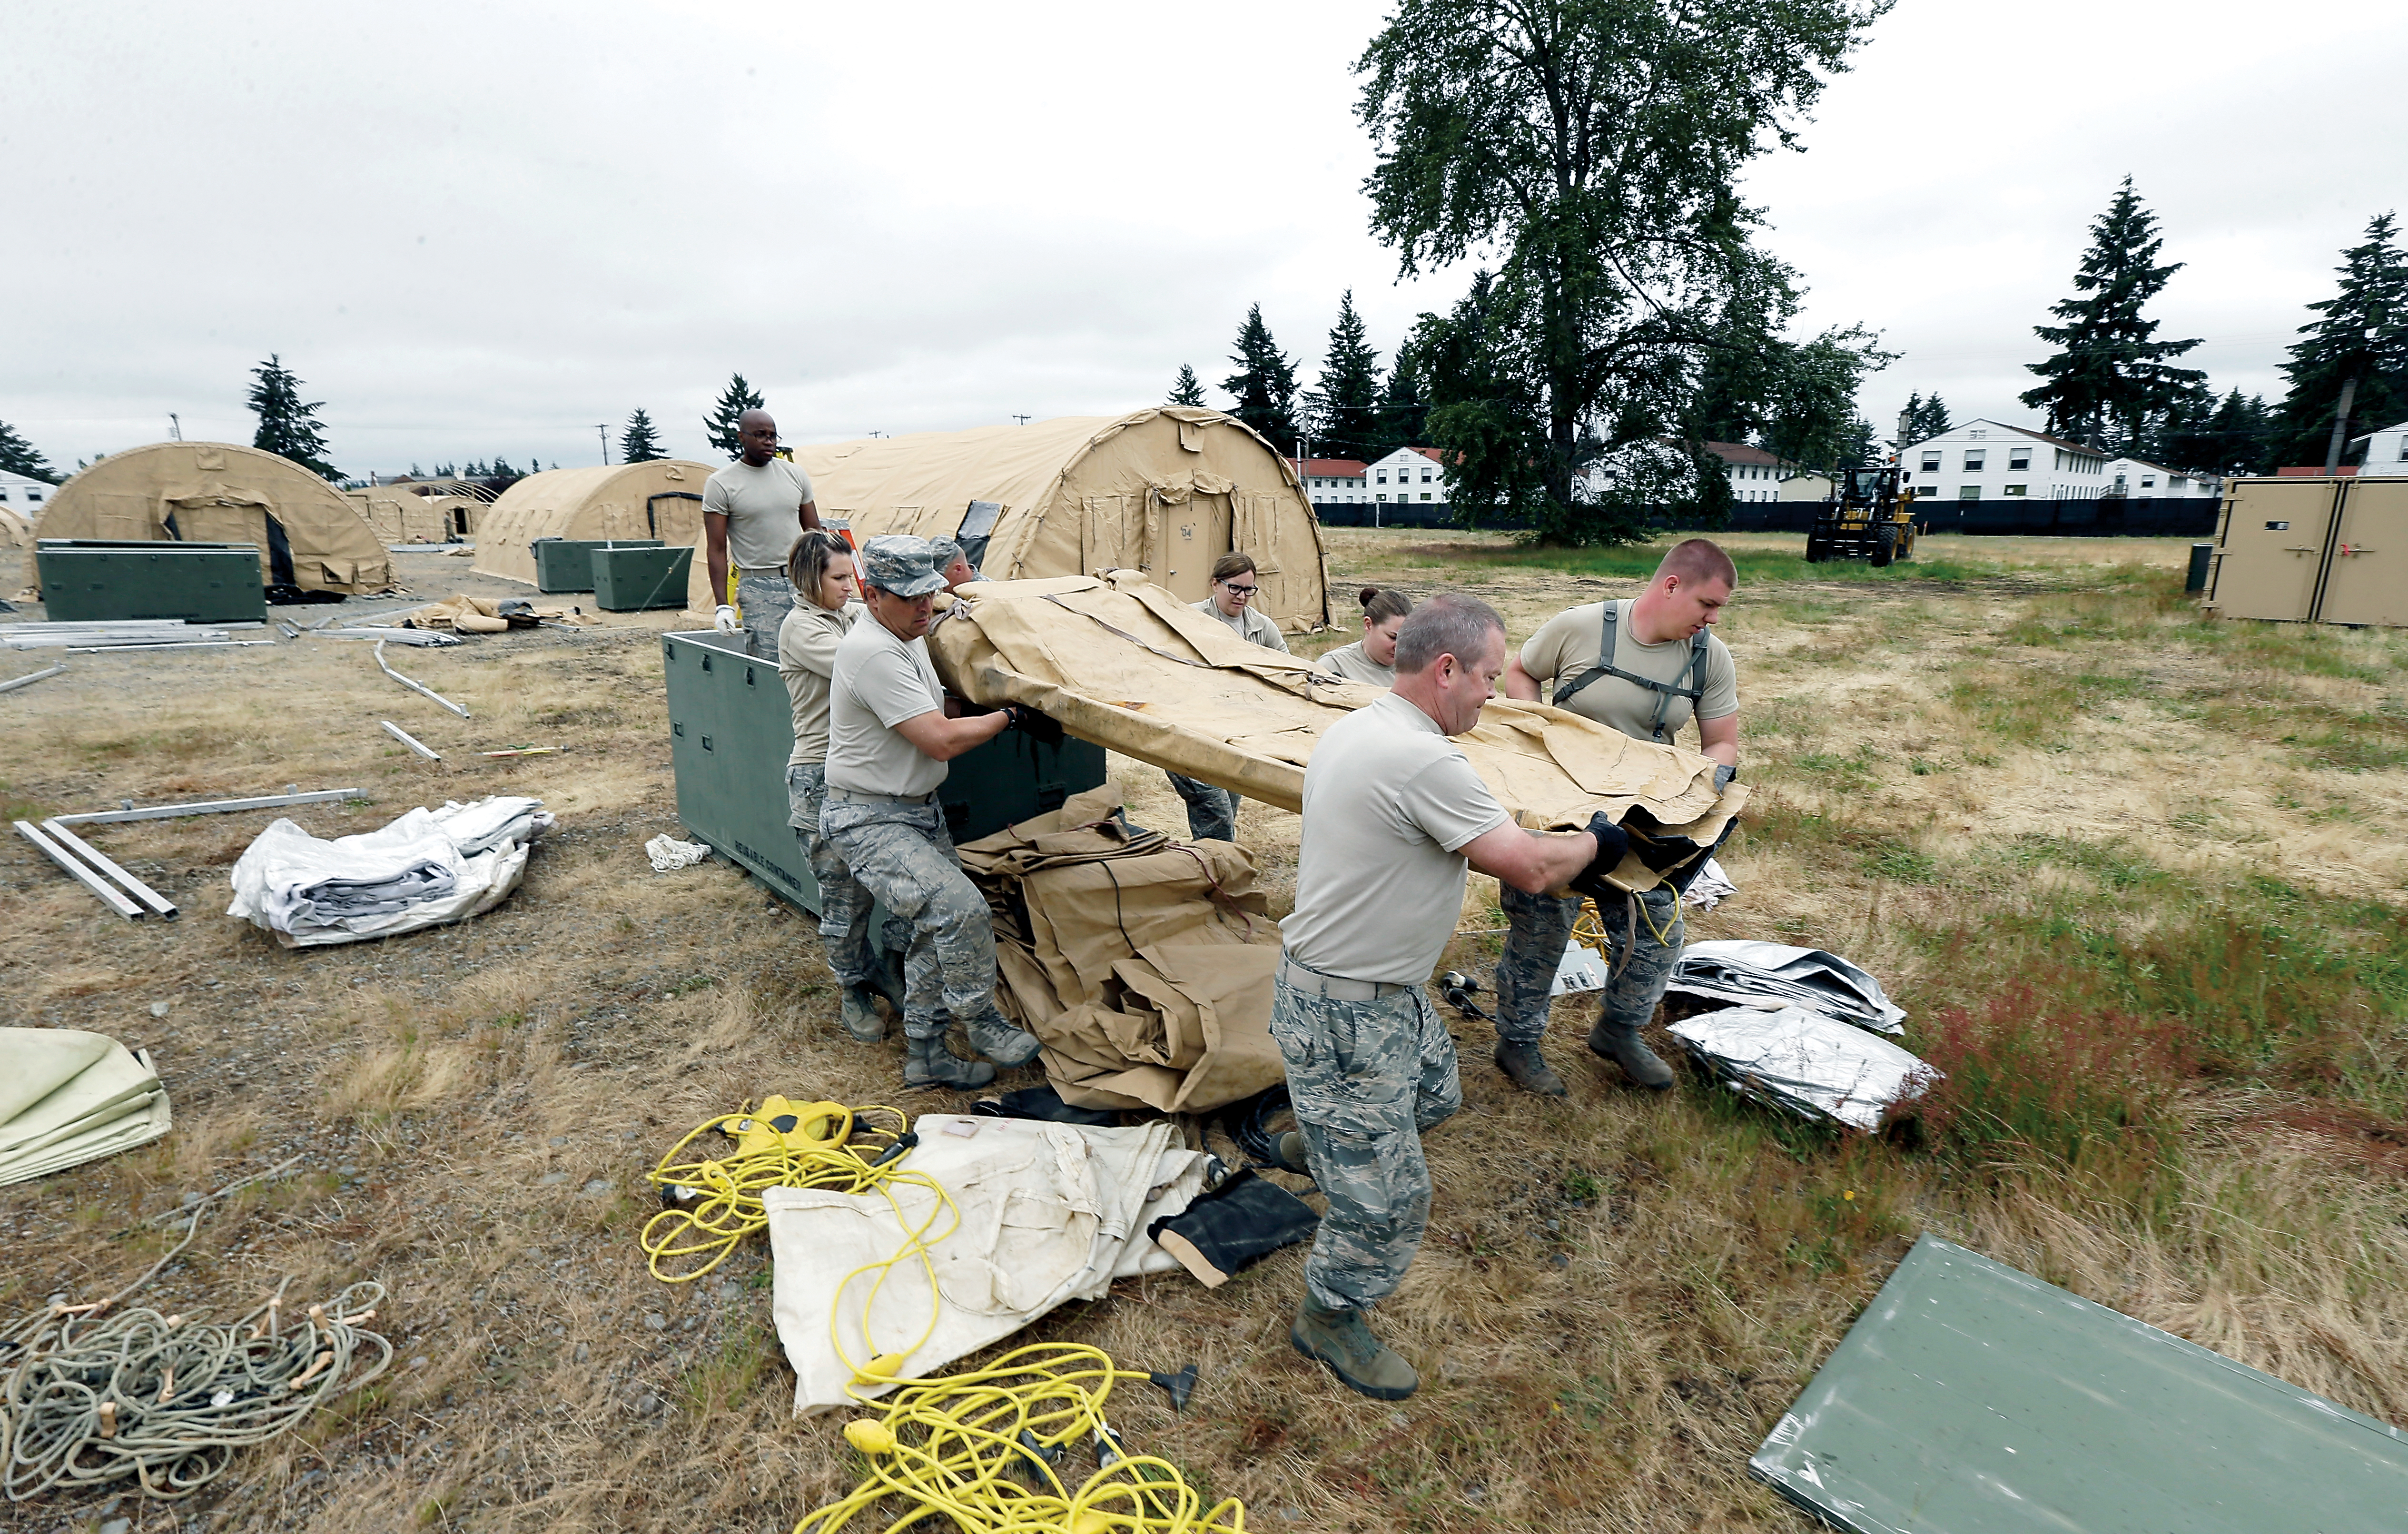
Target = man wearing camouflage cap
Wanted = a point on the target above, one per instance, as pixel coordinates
(890, 735)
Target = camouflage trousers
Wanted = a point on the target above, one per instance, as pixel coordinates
(1368, 1078)
(1211, 813)
(902, 855)
(1639, 964)
(765, 597)
(844, 905)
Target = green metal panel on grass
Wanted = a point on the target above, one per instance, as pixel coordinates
(91, 580)
(1973, 1399)
(630, 580)
(566, 564)
(731, 730)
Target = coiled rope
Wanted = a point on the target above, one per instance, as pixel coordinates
(991, 1450)
(87, 1399)
(709, 1205)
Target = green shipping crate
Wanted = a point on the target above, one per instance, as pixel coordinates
(566, 564)
(95, 581)
(731, 730)
(634, 579)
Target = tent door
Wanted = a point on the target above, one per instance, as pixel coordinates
(1196, 532)
(212, 519)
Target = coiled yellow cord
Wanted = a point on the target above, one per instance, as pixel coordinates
(980, 1449)
(783, 1145)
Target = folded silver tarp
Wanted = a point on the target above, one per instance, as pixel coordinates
(1810, 1063)
(68, 1098)
(1760, 973)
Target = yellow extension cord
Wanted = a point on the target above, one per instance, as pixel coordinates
(783, 1145)
(1588, 927)
(960, 1447)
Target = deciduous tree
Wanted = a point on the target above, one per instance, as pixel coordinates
(1593, 148)
(289, 428)
(2111, 382)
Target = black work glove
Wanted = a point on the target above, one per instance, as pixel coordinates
(1722, 776)
(1612, 841)
(1036, 726)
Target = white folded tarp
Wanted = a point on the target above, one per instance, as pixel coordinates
(1812, 1064)
(68, 1098)
(1049, 1212)
(427, 867)
(1775, 974)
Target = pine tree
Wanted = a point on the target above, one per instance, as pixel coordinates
(1346, 406)
(1924, 420)
(18, 456)
(723, 424)
(287, 427)
(1266, 386)
(2109, 383)
(1187, 389)
(2362, 334)
(639, 443)
(1404, 416)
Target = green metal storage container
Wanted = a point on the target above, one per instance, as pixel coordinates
(731, 730)
(97, 581)
(566, 564)
(634, 579)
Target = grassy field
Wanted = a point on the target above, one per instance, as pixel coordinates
(2138, 877)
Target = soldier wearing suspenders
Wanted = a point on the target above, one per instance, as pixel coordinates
(1645, 666)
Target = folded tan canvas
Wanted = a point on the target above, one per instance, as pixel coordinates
(68, 1098)
(1124, 664)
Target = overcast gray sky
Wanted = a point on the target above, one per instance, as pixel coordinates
(480, 229)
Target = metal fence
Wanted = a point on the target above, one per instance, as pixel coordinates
(2172, 516)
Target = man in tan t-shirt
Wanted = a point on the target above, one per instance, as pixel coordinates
(1665, 667)
(751, 512)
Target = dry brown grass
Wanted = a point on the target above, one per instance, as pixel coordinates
(2032, 769)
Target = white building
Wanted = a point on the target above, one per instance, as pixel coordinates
(2386, 450)
(1331, 482)
(1756, 474)
(2140, 480)
(1988, 461)
(1408, 474)
(27, 498)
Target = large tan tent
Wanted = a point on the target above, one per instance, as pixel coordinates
(308, 535)
(15, 531)
(1167, 490)
(662, 499)
(399, 515)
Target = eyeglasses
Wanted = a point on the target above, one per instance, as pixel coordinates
(1239, 591)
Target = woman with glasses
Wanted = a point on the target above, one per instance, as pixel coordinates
(1213, 812)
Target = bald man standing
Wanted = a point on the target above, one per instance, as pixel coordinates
(752, 510)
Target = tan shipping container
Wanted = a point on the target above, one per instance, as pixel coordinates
(2366, 574)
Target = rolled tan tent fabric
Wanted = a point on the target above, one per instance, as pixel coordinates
(606, 501)
(220, 492)
(1131, 667)
(1167, 490)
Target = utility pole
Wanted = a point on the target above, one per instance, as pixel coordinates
(602, 429)
(175, 426)
(2341, 415)
(1021, 419)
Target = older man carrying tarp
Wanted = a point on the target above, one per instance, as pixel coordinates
(890, 735)
(1393, 817)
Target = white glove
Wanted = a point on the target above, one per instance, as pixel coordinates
(726, 621)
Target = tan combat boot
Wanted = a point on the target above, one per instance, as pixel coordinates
(1341, 1340)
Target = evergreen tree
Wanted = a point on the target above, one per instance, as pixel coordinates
(722, 424)
(1186, 389)
(1404, 418)
(1265, 386)
(1924, 420)
(2361, 333)
(287, 427)
(17, 456)
(2109, 383)
(1346, 406)
(639, 443)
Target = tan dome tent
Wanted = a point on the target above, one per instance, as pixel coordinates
(1168, 490)
(15, 531)
(662, 499)
(400, 515)
(308, 535)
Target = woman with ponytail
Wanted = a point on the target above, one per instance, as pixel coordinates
(1372, 658)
